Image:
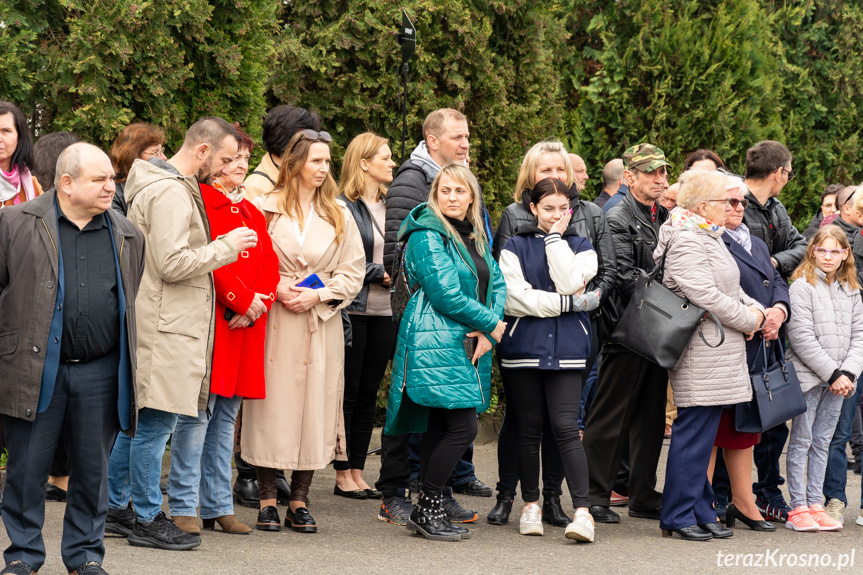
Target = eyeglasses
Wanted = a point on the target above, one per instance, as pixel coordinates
(724, 201)
(789, 172)
(315, 136)
(158, 151)
(734, 202)
(823, 252)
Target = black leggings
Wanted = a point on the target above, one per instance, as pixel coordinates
(449, 434)
(533, 393)
(365, 363)
(507, 456)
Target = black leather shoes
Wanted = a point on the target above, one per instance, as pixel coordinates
(283, 489)
(499, 515)
(374, 493)
(732, 514)
(355, 494)
(717, 530)
(300, 520)
(246, 492)
(54, 493)
(603, 514)
(654, 514)
(268, 519)
(691, 533)
(553, 513)
(476, 488)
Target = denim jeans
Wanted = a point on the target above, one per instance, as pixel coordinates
(837, 462)
(806, 460)
(135, 467)
(201, 461)
(588, 393)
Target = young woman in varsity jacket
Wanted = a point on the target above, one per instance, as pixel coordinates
(545, 348)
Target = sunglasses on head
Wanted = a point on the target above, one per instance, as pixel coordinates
(318, 136)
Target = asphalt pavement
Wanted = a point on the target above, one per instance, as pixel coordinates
(352, 540)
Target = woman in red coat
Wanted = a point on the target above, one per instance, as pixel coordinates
(202, 446)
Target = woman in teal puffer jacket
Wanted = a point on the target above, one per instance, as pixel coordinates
(436, 387)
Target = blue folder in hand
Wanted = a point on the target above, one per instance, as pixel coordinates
(313, 282)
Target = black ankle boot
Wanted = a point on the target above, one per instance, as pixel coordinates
(283, 489)
(499, 515)
(429, 519)
(552, 512)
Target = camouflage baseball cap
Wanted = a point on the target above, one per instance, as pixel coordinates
(644, 157)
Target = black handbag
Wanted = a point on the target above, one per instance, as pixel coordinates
(776, 395)
(657, 323)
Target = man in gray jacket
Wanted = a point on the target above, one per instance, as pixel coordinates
(70, 267)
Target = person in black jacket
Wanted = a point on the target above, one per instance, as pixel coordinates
(828, 207)
(544, 160)
(445, 140)
(366, 169)
(631, 392)
(768, 170)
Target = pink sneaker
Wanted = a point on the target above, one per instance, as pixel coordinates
(801, 520)
(824, 521)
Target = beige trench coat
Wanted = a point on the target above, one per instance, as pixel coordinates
(300, 424)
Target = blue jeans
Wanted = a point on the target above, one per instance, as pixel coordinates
(201, 461)
(837, 462)
(588, 393)
(136, 464)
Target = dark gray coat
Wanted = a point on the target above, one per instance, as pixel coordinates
(28, 290)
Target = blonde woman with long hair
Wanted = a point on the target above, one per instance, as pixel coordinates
(442, 369)
(366, 169)
(299, 426)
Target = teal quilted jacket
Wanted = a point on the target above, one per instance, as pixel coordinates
(430, 367)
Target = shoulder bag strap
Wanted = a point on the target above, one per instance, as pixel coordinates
(260, 173)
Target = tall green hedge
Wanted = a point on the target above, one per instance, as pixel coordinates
(600, 75)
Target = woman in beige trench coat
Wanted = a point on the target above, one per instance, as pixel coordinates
(299, 426)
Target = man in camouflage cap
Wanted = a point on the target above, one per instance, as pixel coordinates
(630, 400)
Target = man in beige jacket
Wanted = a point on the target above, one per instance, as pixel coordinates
(174, 320)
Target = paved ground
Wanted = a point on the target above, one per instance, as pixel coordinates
(352, 540)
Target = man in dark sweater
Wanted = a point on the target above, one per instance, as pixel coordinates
(445, 140)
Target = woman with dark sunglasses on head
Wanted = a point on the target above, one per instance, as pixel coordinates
(299, 426)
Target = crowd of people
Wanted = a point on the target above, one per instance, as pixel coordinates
(250, 318)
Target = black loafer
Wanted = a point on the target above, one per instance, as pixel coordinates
(717, 530)
(374, 494)
(475, 488)
(54, 493)
(646, 514)
(300, 520)
(268, 519)
(355, 494)
(691, 533)
(603, 514)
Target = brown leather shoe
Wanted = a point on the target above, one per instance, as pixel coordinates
(618, 500)
(187, 524)
(229, 524)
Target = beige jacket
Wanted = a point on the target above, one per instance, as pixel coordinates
(262, 179)
(300, 424)
(176, 301)
(700, 268)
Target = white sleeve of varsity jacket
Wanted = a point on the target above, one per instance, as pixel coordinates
(569, 271)
(521, 299)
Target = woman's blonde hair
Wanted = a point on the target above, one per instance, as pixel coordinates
(697, 186)
(288, 186)
(526, 179)
(847, 272)
(463, 176)
(353, 181)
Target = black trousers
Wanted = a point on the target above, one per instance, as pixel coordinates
(554, 396)
(365, 363)
(449, 434)
(507, 454)
(83, 409)
(395, 465)
(630, 400)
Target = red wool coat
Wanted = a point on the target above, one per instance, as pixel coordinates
(238, 355)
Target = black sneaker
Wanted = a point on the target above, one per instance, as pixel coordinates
(455, 512)
(775, 510)
(161, 533)
(120, 521)
(474, 488)
(396, 509)
(18, 568)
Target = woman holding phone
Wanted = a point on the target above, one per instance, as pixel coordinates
(442, 369)
(299, 426)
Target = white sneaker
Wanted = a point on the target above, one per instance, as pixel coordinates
(531, 520)
(581, 528)
(836, 509)
(860, 520)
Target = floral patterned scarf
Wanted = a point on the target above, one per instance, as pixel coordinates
(684, 219)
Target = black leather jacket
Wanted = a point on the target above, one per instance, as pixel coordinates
(772, 224)
(588, 222)
(374, 272)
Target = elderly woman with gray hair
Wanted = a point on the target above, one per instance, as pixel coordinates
(711, 373)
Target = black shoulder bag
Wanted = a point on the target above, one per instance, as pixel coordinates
(776, 395)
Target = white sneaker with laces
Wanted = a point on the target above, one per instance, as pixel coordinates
(836, 509)
(531, 520)
(581, 528)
